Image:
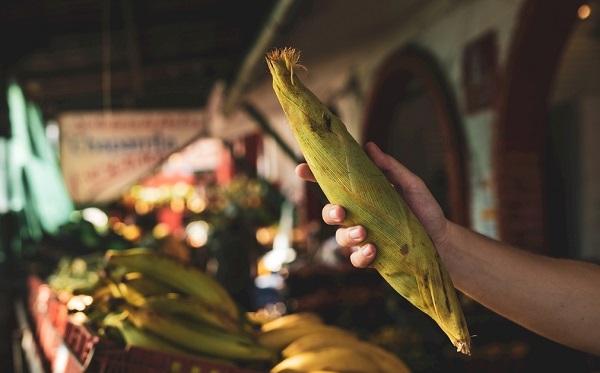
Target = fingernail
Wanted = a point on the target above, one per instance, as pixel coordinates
(367, 251)
(354, 233)
(333, 215)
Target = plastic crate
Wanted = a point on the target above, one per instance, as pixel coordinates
(72, 348)
(99, 355)
(139, 360)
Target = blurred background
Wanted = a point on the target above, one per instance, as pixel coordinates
(154, 123)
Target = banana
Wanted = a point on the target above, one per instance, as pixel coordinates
(193, 309)
(280, 338)
(136, 287)
(315, 341)
(200, 338)
(134, 336)
(335, 358)
(176, 273)
(291, 319)
(387, 361)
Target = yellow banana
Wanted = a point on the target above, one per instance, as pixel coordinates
(406, 257)
(291, 319)
(175, 273)
(280, 338)
(317, 340)
(387, 361)
(337, 359)
(200, 338)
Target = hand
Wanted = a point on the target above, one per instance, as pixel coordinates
(410, 187)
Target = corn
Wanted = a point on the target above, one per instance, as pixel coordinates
(406, 258)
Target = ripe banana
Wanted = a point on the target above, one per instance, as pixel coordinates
(200, 338)
(337, 359)
(387, 361)
(406, 256)
(292, 319)
(176, 273)
(315, 341)
(280, 338)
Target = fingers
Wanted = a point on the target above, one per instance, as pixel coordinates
(363, 257)
(304, 172)
(352, 236)
(397, 174)
(333, 214)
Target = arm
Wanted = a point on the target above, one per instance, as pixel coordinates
(556, 298)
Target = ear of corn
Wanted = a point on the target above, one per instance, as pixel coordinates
(406, 257)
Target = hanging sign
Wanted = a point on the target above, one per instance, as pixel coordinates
(103, 154)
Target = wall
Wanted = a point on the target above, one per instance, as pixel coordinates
(344, 80)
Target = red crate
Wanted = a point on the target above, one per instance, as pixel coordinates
(139, 360)
(72, 348)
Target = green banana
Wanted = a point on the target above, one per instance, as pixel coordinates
(200, 338)
(180, 275)
(135, 287)
(138, 337)
(193, 309)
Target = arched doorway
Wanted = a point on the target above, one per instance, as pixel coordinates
(530, 210)
(412, 115)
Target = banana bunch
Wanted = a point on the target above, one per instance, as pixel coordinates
(307, 344)
(76, 275)
(181, 276)
(167, 301)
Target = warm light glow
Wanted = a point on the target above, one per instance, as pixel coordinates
(197, 233)
(95, 216)
(177, 205)
(180, 188)
(161, 230)
(78, 318)
(76, 303)
(132, 232)
(196, 204)
(584, 11)
(118, 227)
(265, 235)
(142, 207)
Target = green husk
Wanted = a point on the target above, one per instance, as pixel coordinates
(406, 257)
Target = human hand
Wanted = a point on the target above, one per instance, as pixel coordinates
(410, 187)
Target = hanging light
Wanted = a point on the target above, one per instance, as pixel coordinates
(584, 11)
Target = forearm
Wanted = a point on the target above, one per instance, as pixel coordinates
(556, 298)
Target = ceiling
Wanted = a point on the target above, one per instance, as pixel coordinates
(102, 54)
(73, 55)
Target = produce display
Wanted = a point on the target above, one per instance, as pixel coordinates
(145, 298)
(406, 258)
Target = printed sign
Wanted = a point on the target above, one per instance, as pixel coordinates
(103, 154)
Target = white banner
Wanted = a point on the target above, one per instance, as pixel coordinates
(103, 154)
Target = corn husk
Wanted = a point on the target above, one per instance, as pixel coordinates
(406, 257)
